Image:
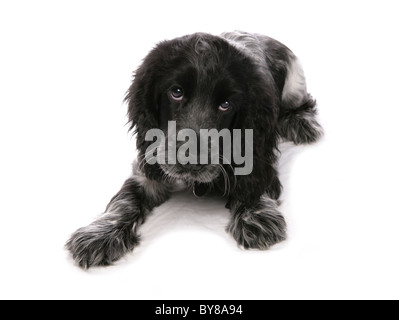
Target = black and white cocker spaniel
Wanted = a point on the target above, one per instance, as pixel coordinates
(246, 86)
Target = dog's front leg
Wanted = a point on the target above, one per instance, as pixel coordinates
(114, 233)
(258, 225)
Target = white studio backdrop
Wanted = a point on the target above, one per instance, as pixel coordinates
(65, 151)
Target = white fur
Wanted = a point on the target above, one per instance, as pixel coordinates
(295, 84)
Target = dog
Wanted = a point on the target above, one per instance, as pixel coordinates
(236, 82)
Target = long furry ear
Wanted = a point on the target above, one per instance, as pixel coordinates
(260, 115)
(141, 98)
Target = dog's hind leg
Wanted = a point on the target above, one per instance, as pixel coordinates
(114, 233)
(297, 120)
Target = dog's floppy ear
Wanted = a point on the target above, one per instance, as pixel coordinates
(260, 115)
(142, 102)
(141, 98)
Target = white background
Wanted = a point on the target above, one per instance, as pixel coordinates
(65, 151)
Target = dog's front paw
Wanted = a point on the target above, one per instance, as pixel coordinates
(258, 228)
(101, 243)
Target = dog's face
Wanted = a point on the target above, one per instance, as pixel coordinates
(202, 87)
(199, 82)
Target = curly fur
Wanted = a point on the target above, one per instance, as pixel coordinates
(265, 85)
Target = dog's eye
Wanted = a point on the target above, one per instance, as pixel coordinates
(176, 93)
(224, 106)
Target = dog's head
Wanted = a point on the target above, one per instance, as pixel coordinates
(199, 82)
